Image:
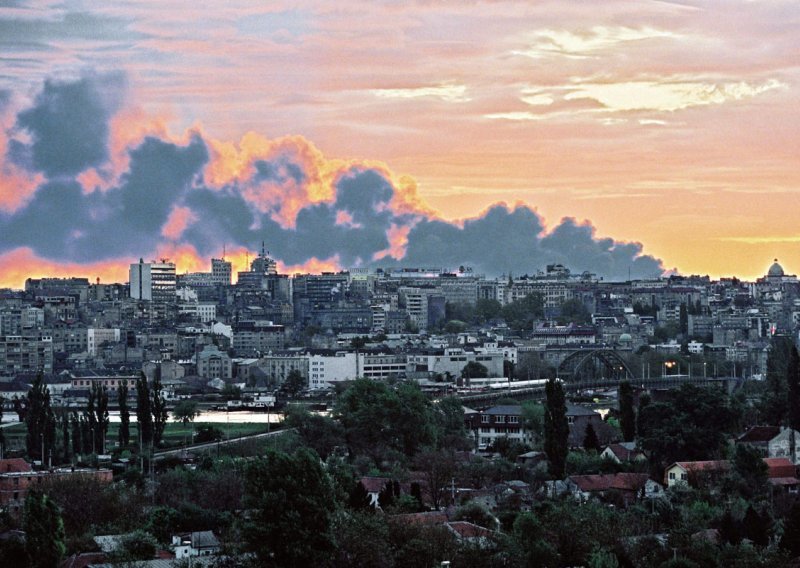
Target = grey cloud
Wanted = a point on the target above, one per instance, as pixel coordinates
(68, 125)
(62, 222)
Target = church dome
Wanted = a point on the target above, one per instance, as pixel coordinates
(776, 269)
(625, 338)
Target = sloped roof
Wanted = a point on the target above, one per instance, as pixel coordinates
(14, 465)
(604, 482)
(578, 410)
(759, 434)
(507, 409)
(426, 518)
(374, 484)
(780, 467)
(708, 465)
(204, 539)
(464, 529)
(624, 453)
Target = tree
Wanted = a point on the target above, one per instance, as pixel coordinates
(692, 423)
(756, 527)
(185, 412)
(450, 429)
(295, 382)
(292, 506)
(775, 399)
(2, 434)
(790, 541)
(378, 419)
(487, 309)
(438, 468)
(40, 421)
(320, 433)
(556, 428)
(44, 531)
(158, 407)
(474, 370)
(793, 385)
(521, 313)
(124, 432)
(97, 412)
(144, 418)
(590, 441)
(627, 414)
(751, 470)
(574, 311)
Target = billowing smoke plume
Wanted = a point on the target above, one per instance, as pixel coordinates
(106, 189)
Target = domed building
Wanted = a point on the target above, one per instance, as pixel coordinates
(776, 275)
(775, 271)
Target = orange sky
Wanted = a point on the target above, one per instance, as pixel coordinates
(673, 124)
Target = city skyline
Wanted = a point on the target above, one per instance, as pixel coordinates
(348, 135)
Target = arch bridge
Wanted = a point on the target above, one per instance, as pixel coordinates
(593, 365)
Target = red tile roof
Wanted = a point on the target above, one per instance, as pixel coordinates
(619, 481)
(709, 465)
(14, 465)
(374, 484)
(780, 467)
(464, 529)
(426, 518)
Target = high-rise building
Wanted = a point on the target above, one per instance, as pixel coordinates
(221, 271)
(154, 281)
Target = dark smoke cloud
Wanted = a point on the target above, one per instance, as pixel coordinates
(66, 131)
(68, 125)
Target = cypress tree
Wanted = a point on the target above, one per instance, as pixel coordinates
(124, 415)
(627, 414)
(159, 409)
(590, 441)
(143, 416)
(40, 421)
(44, 531)
(556, 428)
(793, 384)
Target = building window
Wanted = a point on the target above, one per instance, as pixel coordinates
(684, 477)
(513, 419)
(500, 419)
(570, 419)
(672, 475)
(485, 419)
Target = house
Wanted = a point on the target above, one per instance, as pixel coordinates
(198, 543)
(579, 418)
(773, 442)
(622, 452)
(630, 486)
(471, 533)
(17, 476)
(782, 473)
(694, 473)
(503, 421)
(373, 486)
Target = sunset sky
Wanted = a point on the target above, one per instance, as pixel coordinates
(359, 133)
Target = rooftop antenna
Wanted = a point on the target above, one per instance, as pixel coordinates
(262, 249)
(223, 251)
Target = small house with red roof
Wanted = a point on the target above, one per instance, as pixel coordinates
(773, 442)
(629, 486)
(782, 473)
(694, 473)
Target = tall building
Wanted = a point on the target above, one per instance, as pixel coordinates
(221, 271)
(154, 281)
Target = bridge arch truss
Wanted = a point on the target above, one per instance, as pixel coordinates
(594, 365)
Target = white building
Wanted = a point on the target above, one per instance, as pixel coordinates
(95, 337)
(154, 281)
(326, 370)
